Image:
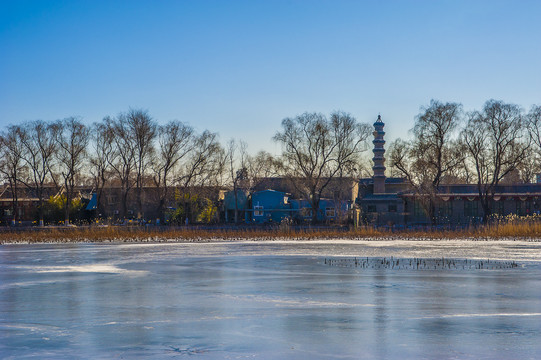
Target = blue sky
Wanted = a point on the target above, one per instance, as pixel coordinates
(239, 67)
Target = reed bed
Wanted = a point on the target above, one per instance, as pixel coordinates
(511, 227)
(165, 234)
(392, 263)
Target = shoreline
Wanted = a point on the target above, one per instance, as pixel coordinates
(63, 235)
(210, 240)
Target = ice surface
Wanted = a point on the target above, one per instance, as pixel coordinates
(268, 300)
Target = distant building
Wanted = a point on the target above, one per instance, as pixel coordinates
(110, 204)
(239, 203)
(275, 199)
(270, 206)
(392, 201)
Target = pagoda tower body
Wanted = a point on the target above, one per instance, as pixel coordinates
(379, 159)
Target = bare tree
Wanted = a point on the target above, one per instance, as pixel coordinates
(12, 163)
(259, 167)
(133, 135)
(100, 168)
(496, 144)
(175, 141)
(205, 162)
(122, 160)
(432, 153)
(72, 138)
(204, 166)
(142, 129)
(534, 126)
(40, 146)
(529, 166)
(237, 160)
(316, 149)
(262, 165)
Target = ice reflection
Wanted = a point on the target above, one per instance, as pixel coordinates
(261, 300)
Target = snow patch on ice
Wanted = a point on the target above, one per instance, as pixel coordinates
(87, 268)
(30, 283)
(35, 328)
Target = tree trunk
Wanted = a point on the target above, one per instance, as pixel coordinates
(15, 205)
(99, 194)
(485, 203)
(161, 203)
(432, 211)
(40, 206)
(124, 207)
(315, 208)
(67, 209)
(236, 207)
(139, 201)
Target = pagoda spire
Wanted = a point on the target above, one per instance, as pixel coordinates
(379, 159)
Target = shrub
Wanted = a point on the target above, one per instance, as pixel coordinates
(55, 208)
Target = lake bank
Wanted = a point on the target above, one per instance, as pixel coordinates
(525, 232)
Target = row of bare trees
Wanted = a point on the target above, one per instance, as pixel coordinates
(129, 151)
(37, 153)
(483, 147)
(132, 151)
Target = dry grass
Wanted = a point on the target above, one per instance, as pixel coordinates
(508, 227)
(511, 226)
(142, 234)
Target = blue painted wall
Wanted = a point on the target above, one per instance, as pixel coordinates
(303, 210)
(274, 206)
(270, 206)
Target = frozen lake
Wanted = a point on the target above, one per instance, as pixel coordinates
(269, 300)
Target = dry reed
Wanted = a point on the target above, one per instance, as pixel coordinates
(508, 227)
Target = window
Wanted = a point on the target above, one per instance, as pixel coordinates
(371, 208)
(519, 210)
(446, 209)
(535, 207)
(306, 212)
(418, 209)
(471, 208)
(524, 208)
(258, 210)
(392, 208)
(329, 212)
(497, 207)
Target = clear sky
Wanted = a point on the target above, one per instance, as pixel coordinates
(239, 67)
